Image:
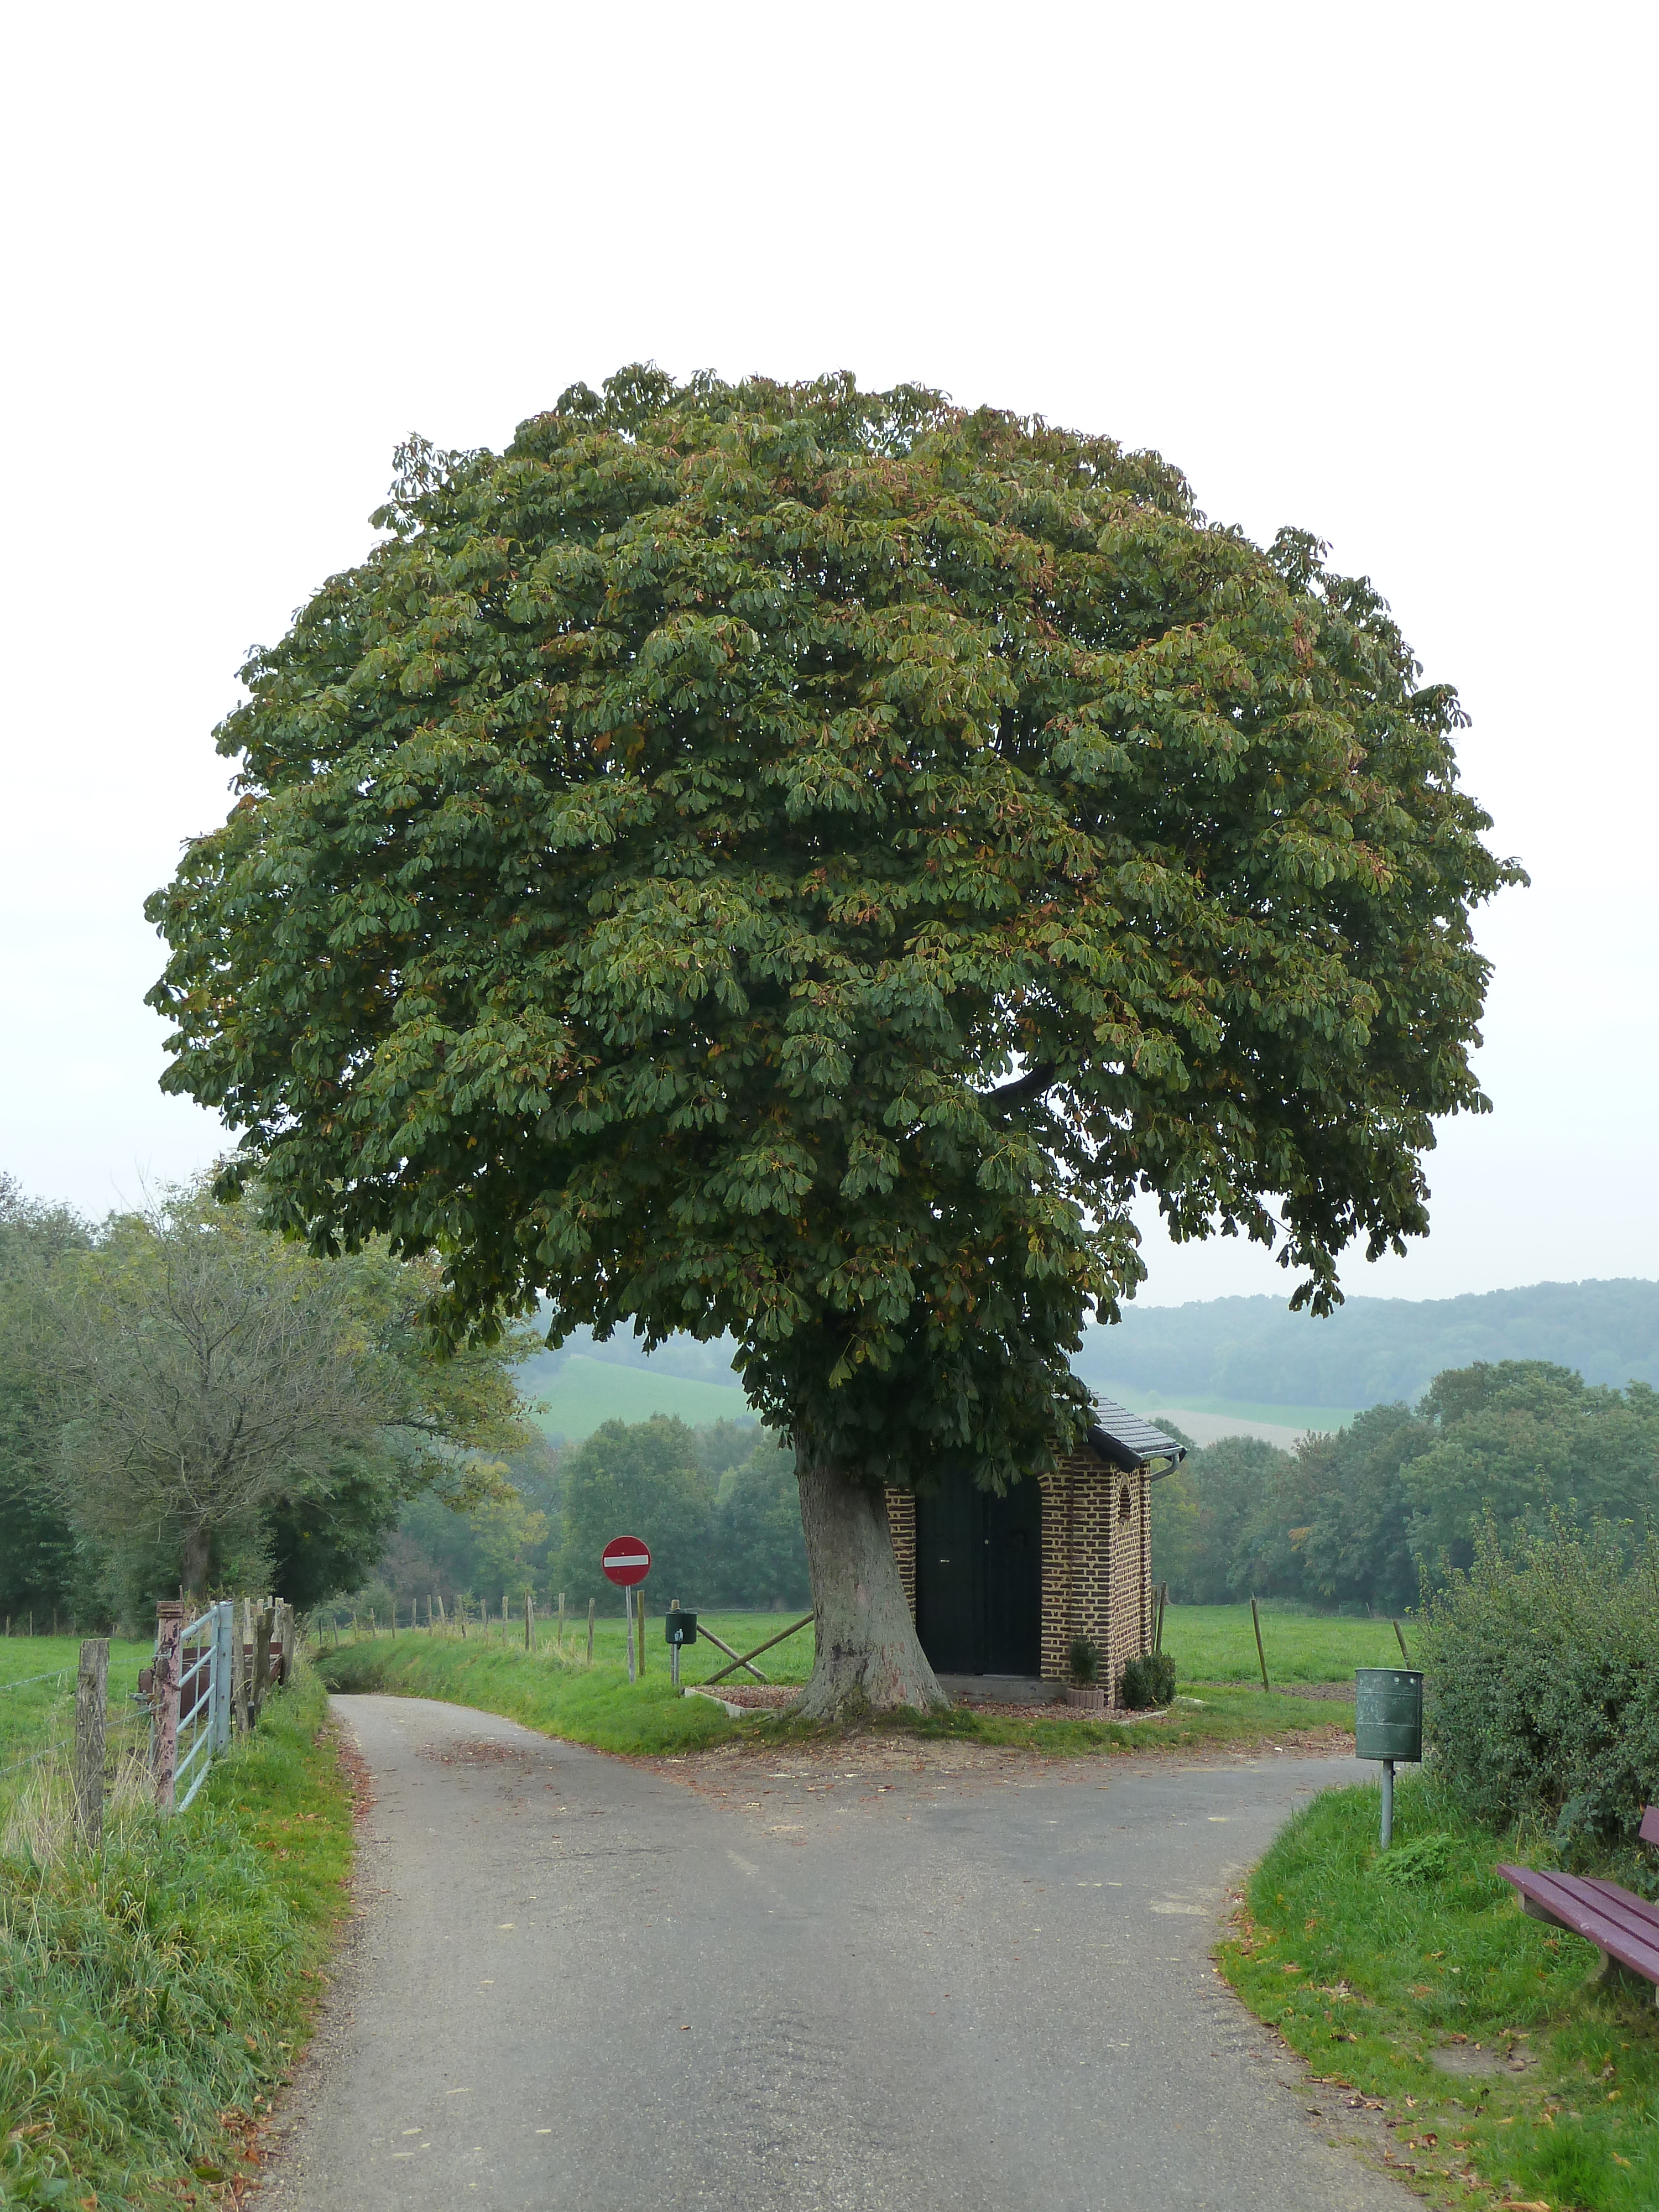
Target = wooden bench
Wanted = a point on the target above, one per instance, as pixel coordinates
(1624, 1928)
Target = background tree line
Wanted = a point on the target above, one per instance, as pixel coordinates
(718, 1504)
(1361, 1517)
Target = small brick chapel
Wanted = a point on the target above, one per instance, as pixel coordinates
(999, 1586)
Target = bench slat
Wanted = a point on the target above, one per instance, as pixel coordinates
(1583, 1895)
(1649, 1830)
(1635, 1910)
(1617, 1924)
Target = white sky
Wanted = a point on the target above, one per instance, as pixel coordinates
(1387, 274)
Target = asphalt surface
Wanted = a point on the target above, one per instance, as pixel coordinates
(878, 1980)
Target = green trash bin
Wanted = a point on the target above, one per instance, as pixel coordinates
(1387, 1720)
(1387, 1724)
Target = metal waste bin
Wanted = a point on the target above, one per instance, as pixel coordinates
(1387, 1720)
(1387, 1724)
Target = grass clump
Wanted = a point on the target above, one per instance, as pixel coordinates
(153, 1992)
(1367, 1963)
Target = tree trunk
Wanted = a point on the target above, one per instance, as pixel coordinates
(198, 1556)
(868, 1658)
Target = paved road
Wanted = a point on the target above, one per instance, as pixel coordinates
(761, 1985)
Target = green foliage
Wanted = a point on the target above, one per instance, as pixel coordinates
(1083, 1661)
(643, 1480)
(1541, 1697)
(756, 1550)
(1424, 1858)
(1363, 1969)
(192, 1399)
(1363, 1516)
(1206, 1514)
(1528, 1443)
(1149, 1680)
(42, 1567)
(797, 861)
(718, 1506)
(149, 1991)
(1254, 1352)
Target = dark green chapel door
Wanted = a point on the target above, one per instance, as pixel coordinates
(979, 1580)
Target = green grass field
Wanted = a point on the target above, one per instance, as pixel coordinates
(37, 1708)
(1217, 1644)
(587, 1392)
(1366, 1964)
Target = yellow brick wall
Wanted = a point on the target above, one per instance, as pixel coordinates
(1096, 1565)
(901, 1527)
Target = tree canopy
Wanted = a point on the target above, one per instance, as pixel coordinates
(797, 861)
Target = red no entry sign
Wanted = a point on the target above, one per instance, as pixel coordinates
(626, 1561)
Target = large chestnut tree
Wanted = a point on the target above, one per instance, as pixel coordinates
(797, 861)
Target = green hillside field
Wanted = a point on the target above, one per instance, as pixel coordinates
(585, 1392)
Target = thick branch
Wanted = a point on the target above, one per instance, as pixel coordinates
(1032, 1084)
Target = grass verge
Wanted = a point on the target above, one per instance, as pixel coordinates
(599, 1705)
(1367, 1965)
(153, 1993)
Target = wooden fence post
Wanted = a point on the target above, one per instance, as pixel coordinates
(164, 1695)
(591, 1605)
(261, 1663)
(559, 1632)
(91, 1710)
(1257, 1620)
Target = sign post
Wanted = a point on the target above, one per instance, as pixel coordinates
(626, 1561)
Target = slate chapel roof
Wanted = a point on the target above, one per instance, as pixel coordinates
(1131, 1443)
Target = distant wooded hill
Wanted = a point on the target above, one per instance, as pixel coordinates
(1372, 1351)
(1253, 1352)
